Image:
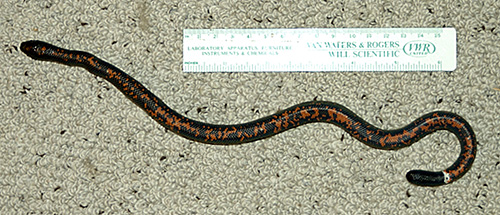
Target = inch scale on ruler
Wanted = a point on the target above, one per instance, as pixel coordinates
(340, 49)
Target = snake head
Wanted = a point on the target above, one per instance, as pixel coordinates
(37, 50)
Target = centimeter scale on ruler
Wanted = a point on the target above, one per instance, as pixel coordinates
(341, 49)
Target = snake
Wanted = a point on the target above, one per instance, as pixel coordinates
(286, 119)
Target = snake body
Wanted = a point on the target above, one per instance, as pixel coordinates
(300, 114)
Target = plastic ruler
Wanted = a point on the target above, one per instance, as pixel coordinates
(326, 49)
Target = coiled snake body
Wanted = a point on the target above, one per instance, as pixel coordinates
(309, 112)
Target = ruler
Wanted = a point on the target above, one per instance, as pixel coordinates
(319, 50)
